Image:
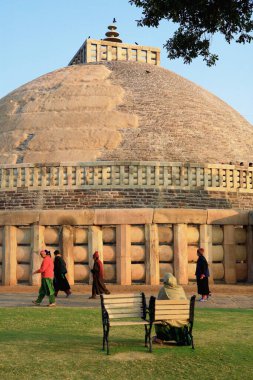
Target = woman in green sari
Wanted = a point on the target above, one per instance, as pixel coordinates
(176, 330)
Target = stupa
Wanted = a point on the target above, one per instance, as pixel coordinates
(117, 154)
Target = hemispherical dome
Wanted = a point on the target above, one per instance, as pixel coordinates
(119, 111)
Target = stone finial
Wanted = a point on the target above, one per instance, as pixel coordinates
(111, 34)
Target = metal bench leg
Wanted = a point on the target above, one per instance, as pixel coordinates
(106, 337)
(193, 347)
(149, 338)
(146, 336)
(103, 337)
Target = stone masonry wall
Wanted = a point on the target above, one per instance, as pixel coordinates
(24, 198)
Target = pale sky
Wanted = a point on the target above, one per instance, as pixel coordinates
(39, 36)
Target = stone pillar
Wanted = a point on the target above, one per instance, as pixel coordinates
(37, 245)
(152, 254)
(180, 253)
(95, 243)
(250, 253)
(123, 254)
(9, 262)
(229, 254)
(205, 242)
(67, 250)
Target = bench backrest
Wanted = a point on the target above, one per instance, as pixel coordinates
(165, 310)
(119, 306)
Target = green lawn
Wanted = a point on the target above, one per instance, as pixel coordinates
(65, 343)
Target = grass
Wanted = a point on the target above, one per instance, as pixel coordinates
(64, 343)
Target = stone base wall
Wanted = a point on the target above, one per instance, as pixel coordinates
(136, 245)
(23, 198)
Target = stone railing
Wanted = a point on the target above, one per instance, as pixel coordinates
(98, 175)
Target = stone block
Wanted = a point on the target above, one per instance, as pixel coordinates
(66, 217)
(165, 234)
(51, 235)
(217, 253)
(217, 235)
(152, 254)
(191, 271)
(192, 253)
(229, 254)
(18, 218)
(95, 243)
(123, 254)
(241, 271)
(192, 235)
(137, 234)
(24, 254)
(110, 272)
(180, 253)
(80, 235)
(240, 235)
(166, 253)
(9, 260)
(241, 252)
(218, 271)
(123, 216)
(23, 272)
(138, 272)
(109, 253)
(80, 254)
(24, 235)
(67, 251)
(109, 234)
(81, 273)
(176, 215)
(227, 217)
(138, 253)
(36, 246)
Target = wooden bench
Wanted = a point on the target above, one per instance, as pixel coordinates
(117, 310)
(166, 310)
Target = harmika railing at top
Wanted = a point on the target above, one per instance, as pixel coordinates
(163, 175)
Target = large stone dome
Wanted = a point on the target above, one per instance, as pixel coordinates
(119, 111)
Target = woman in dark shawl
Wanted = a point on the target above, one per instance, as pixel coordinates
(202, 274)
(60, 270)
(98, 286)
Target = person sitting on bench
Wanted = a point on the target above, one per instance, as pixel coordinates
(173, 330)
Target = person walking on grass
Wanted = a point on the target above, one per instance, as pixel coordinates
(98, 286)
(202, 274)
(60, 270)
(47, 276)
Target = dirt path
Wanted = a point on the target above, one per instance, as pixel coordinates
(223, 296)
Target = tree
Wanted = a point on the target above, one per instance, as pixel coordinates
(198, 21)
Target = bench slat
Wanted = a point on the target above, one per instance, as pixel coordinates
(171, 312)
(127, 295)
(172, 302)
(165, 317)
(129, 323)
(123, 305)
(172, 307)
(125, 315)
(121, 300)
(124, 310)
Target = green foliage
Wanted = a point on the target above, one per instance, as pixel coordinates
(43, 343)
(198, 21)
